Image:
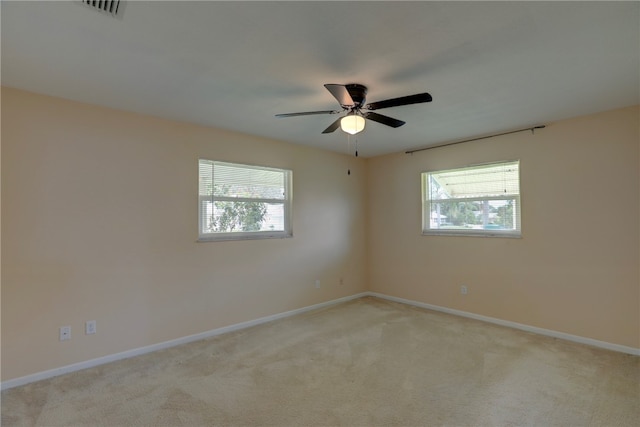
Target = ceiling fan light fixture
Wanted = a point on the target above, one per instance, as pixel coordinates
(352, 124)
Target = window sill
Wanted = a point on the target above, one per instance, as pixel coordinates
(225, 237)
(465, 233)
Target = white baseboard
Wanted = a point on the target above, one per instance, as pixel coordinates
(214, 332)
(540, 331)
(167, 344)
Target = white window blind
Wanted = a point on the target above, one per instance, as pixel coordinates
(475, 200)
(243, 201)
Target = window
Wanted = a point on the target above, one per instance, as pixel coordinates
(243, 202)
(477, 200)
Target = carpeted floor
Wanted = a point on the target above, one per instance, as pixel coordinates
(367, 362)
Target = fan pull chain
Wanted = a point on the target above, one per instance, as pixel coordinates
(349, 151)
(348, 157)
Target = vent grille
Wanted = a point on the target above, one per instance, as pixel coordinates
(111, 7)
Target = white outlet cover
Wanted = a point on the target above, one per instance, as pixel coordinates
(65, 333)
(90, 327)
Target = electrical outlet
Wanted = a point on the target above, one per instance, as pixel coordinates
(90, 327)
(463, 290)
(317, 284)
(65, 333)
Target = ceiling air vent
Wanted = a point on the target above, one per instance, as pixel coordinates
(111, 7)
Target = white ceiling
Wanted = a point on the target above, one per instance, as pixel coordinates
(490, 66)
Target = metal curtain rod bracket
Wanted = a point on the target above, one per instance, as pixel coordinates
(532, 129)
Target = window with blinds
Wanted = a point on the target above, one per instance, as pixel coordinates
(476, 200)
(243, 202)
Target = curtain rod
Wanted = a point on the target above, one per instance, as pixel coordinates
(474, 139)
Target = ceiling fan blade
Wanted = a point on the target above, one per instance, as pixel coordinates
(335, 125)
(404, 100)
(340, 93)
(385, 120)
(308, 113)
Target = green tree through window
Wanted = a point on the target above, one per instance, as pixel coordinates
(243, 201)
(229, 216)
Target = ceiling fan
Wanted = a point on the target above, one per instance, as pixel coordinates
(351, 98)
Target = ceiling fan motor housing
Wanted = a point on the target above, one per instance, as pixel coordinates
(358, 94)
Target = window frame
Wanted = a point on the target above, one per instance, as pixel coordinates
(472, 232)
(287, 203)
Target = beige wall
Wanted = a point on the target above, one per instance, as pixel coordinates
(99, 222)
(575, 269)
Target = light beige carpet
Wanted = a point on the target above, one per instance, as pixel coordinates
(364, 363)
